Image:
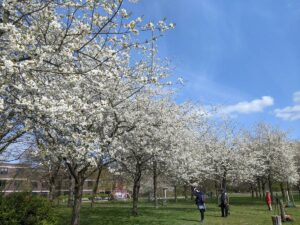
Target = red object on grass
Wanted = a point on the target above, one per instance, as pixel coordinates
(268, 198)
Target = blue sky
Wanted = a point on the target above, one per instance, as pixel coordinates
(233, 53)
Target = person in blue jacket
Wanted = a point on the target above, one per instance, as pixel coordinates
(200, 202)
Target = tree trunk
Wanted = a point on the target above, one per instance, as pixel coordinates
(282, 191)
(136, 189)
(78, 189)
(192, 195)
(263, 187)
(276, 220)
(58, 190)
(224, 181)
(256, 192)
(259, 187)
(185, 192)
(252, 191)
(270, 185)
(282, 212)
(95, 188)
(52, 189)
(155, 184)
(150, 196)
(288, 188)
(175, 193)
(71, 192)
(52, 181)
(216, 189)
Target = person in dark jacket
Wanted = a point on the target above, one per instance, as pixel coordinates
(224, 203)
(200, 202)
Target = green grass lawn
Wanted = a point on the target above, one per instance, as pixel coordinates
(243, 211)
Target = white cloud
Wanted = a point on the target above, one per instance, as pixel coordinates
(256, 105)
(296, 97)
(290, 112)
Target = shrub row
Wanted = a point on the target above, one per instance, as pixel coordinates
(26, 209)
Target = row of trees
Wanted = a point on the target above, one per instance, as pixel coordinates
(82, 80)
(259, 157)
(77, 77)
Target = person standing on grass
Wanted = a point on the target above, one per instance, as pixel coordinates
(269, 200)
(223, 201)
(200, 202)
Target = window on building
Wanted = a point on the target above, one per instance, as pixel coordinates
(34, 185)
(2, 184)
(44, 185)
(3, 170)
(18, 171)
(90, 184)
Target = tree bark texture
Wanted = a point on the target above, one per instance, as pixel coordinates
(224, 180)
(186, 190)
(288, 188)
(192, 189)
(216, 189)
(252, 191)
(71, 192)
(263, 187)
(259, 188)
(78, 189)
(136, 189)
(175, 193)
(155, 184)
(52, 181)
(95, 188)
(52, 190)
(270, 185)
(282, 191)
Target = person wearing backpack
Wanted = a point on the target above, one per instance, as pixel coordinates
(224, 203)
(200, 202)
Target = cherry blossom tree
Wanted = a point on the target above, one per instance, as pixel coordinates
(186, 163)
(66, 69)
(40, 40)
(274, 156)
(223, 153)
(155, 121)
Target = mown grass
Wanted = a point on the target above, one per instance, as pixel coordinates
(243, 211)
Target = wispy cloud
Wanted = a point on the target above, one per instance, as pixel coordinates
(296, 97)
(203, 87)
(246, 107)
(290, 112)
